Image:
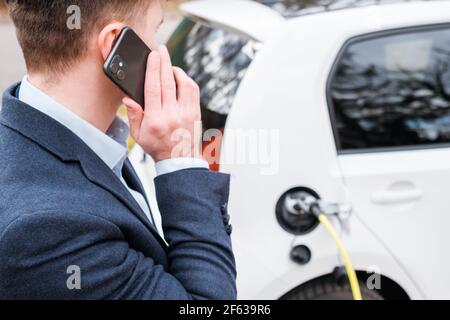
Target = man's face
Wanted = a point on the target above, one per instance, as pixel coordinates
(147, 25)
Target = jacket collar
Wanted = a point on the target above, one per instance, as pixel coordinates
(63, 143)
(110, 147)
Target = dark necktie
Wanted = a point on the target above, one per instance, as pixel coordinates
(132, 180)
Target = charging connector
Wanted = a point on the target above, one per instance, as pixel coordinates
(292, 211)
(314, 208)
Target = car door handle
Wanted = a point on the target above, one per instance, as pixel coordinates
(398, 196)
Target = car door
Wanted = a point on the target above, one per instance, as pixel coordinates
(389, 97)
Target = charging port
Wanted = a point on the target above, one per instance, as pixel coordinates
(290, 213)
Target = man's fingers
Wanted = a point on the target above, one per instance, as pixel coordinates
(168, 87)
(153, 84)
(188, 92)
(135, 117)
(195, 102)
(184, 92)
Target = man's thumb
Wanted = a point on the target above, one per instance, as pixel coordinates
(135, 117)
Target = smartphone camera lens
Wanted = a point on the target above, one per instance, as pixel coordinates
(114, 67)
(121, 75)
(116, 64)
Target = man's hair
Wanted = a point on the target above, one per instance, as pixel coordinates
(48, 43)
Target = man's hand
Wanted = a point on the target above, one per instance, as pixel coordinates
(172, 109)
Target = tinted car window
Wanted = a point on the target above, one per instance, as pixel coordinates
(393, 91)
(218, 60)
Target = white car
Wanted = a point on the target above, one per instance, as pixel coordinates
(357, 94)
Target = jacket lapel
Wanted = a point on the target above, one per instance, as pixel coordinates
(105, 178)
(64, 144)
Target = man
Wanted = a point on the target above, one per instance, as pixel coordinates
(74, 219)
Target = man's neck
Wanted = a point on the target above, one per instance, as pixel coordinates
(88, 95)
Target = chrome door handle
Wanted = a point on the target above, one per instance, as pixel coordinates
(397, 196)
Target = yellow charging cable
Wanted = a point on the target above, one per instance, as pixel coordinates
(353, 279)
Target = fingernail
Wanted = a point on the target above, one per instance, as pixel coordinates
(124, 103)
(163, 48)
(154, 55)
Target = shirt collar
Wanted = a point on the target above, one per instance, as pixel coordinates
(110, 147)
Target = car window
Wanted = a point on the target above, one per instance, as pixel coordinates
(218, 60)
(393, 91)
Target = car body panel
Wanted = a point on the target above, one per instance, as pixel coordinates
(402, 197)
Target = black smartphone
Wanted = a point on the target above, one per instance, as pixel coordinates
(126, 64)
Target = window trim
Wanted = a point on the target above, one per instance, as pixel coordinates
(331, 107)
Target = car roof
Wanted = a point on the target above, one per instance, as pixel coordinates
(297, 8)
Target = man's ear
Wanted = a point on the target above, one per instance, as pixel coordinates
(107, 36)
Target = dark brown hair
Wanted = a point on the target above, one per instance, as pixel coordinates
(48, 43)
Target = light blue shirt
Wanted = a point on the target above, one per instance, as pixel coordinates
(111, 147)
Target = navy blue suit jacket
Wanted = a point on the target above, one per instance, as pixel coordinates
(61, 206)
